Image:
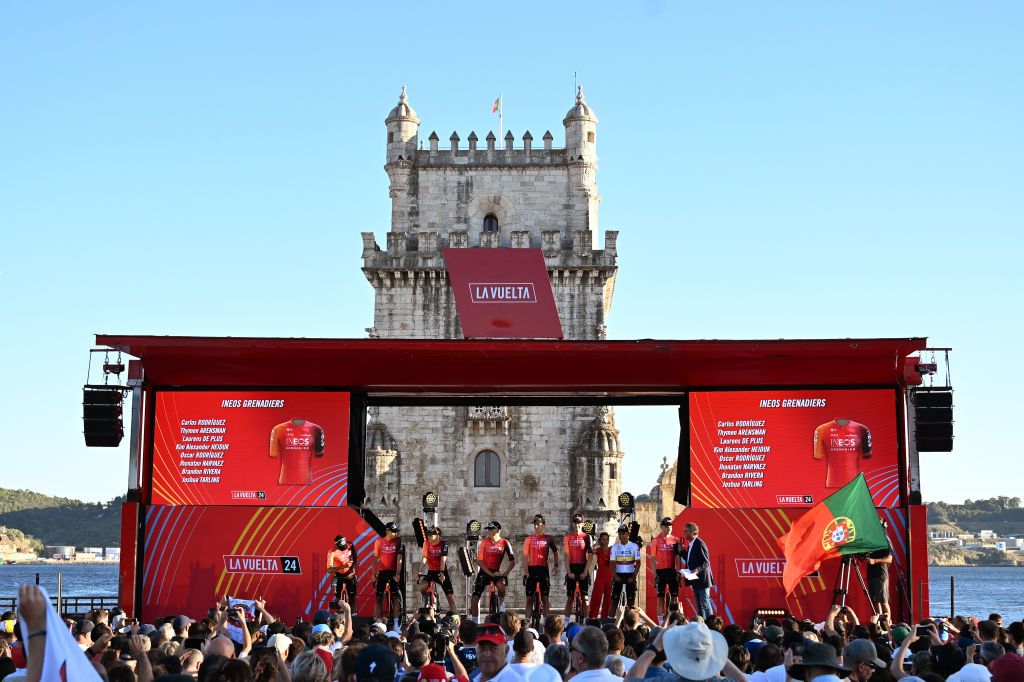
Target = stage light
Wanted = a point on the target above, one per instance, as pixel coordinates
(770, 613)
(589, 527)
(419, 527)
(626, 503)
(473, 529)
(430, 502)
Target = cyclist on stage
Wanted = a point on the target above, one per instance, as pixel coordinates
(536, 549)
(601, 603)
(342, 562)
(579, 561)
(625, 557)
(666, 549)
(387, 566)
(434, 566)
(492, 551)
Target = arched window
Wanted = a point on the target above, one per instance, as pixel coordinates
(487, 470)
(490, 223)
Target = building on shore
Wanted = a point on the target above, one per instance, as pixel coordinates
(491, 462)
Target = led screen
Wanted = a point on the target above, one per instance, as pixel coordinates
(275, 448)
(752, 449)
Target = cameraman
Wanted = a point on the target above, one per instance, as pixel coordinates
(878, 577)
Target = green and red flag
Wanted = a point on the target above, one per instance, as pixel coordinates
(842, 524)
(497, 104)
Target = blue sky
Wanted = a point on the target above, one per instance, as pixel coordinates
(774, 169)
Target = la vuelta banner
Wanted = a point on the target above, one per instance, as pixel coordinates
(503, 293)
(194, 556)
(751, 449)
(275, 448)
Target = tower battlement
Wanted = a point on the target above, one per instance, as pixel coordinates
(423, 250)
(491, 154)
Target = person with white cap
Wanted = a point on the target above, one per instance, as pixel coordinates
(694, 652)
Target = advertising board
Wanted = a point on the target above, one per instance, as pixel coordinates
(747, 565)
(195, 555)
(764, 449)
(274, 448)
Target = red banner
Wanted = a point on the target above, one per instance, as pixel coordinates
(196, 555)
(747, 566)
(274, 448)
(503, 293)
(751, 449)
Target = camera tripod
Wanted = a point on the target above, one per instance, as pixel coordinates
(848, 566)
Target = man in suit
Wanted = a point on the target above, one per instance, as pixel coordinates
(699, 561)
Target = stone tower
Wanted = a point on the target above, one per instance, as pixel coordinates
(502, 463)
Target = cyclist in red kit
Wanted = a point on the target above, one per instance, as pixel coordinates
(579, 561)
(435, 561)
(296, 442)
(387, 565)
(536, 549)
(842, 443)
(602, 600)
(489, 555)
(666, 549)
(342, 562)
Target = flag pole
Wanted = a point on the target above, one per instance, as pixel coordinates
(501, 111)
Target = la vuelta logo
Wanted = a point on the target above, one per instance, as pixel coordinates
(502, 292)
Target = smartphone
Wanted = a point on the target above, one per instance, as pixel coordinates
(923, 630)
(798, 649)
(194, 643)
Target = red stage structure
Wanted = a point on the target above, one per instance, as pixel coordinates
(181, 550)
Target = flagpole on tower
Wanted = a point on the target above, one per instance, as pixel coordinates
(501, 112)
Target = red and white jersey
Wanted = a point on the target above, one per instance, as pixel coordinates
(341, 559)
(387, 553)
(434, 553)
(536, 548)
(577, 546)
(665, 548)
(842, 443)
(490, 553)
(295, 443)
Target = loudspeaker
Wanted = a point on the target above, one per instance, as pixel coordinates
(102, 416)
(933, 419)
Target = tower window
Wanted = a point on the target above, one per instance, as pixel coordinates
(590, 136)
(490, 223)
(612, 471)
(391, 138)
(487, 470)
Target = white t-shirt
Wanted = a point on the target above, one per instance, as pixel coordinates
(625, 556)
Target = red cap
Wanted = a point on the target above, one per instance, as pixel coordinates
(492, 633)
(1007, 667)
(433, 673)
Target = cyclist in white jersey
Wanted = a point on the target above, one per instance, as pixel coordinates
(625, 557)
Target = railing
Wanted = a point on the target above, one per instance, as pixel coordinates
(69, 606)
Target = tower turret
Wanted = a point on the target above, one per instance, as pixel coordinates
(581, 155)
(403, 129)
(581, 130)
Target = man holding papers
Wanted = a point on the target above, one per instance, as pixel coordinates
(698, 570)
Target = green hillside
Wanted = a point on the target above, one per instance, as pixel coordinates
(1004, 515)
(60, 520)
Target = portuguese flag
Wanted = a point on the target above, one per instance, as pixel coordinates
(843, 523)
(497, 104)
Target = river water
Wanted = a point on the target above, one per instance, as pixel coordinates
(979, 590)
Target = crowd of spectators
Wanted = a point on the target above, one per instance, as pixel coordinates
(230, 645)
